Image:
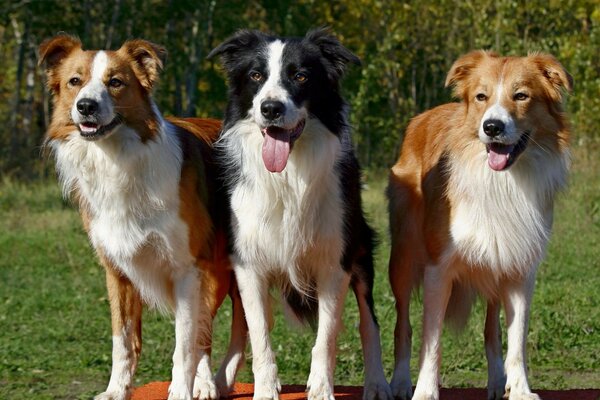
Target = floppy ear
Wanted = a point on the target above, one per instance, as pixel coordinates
(52, 52)
(241, 40)
(332, 50)
(147, 60)
(462, 68)
(556, 78)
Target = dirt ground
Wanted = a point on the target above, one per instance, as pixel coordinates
(243, 391)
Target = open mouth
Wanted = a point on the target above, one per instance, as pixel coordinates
(502, 156)
(277, 145)
(93, 131)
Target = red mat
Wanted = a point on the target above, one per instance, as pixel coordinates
(158, 391)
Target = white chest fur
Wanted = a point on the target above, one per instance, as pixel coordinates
(289, 222)
(131, 191)
(502, 220)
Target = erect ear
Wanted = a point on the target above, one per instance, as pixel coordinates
(147, 60)
(241, 40)
(463, 67)
(332, 50)
(556, 78)
(52, 52)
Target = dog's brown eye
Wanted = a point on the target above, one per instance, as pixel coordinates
(481, 97)
(255, 76)
(300, 77)
(114, 82)
(75, 81)
(520, 96)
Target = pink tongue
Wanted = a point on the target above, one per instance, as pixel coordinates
(498, 157)
(276, 149)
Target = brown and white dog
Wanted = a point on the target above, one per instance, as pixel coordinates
(148, 195)
(471, 203)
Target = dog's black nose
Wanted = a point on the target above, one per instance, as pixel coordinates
(493, 127)
(272, 110)
(87, 107)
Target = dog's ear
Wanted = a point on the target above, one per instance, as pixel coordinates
(555, 77)
(147, 60)
(462, 68)
(52, 52)
(243, 39)
(332, 49)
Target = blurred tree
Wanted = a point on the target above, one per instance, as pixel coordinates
(406, 48)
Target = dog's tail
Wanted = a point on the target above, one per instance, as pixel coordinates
(459, 307)
(304, 307)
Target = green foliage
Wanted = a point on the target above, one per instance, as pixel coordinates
(407, 48)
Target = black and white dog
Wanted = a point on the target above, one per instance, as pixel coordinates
(295, 199)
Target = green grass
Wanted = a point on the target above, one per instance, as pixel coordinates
(55, 328)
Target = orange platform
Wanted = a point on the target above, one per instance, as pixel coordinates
(158, 391)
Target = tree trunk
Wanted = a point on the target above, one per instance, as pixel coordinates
(22, 41)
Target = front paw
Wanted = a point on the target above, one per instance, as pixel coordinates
(522, 396)
(114, 395)
(266, 383)
(179, 391)
(319, 387)
(205, 389)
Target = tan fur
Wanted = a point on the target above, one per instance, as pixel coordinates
(137, 64)
(422, 193)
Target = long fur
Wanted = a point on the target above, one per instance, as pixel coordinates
(301, 230)
(147, 192)
(471, 210)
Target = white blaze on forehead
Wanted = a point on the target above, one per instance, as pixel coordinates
(498, 112)
(272, 88)
(95, 89)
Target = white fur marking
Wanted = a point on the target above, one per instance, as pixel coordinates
(273, 90)
(96, 90)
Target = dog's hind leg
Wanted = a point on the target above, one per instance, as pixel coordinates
(517, 299)
(375, 386)
(493, 352)
(234, 359)
(401, 280)
(126, 316)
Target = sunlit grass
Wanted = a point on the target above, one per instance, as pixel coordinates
(55, 327)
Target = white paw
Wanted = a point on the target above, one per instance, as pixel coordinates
(205, 389)
(319, 387)
(401, 388)
(421, 395)
(266, 384)
(377, 389)
(523, 396)
(179, 391)
(114, 395)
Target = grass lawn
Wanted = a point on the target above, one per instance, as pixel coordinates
(54, 317)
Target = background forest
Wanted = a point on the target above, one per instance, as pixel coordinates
(406, 48)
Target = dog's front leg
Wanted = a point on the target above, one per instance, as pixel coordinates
(332, 286)
(517, 299)
(185, 356)
(126, 319)
(493, 352)
(254, 291)
(436, 291)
